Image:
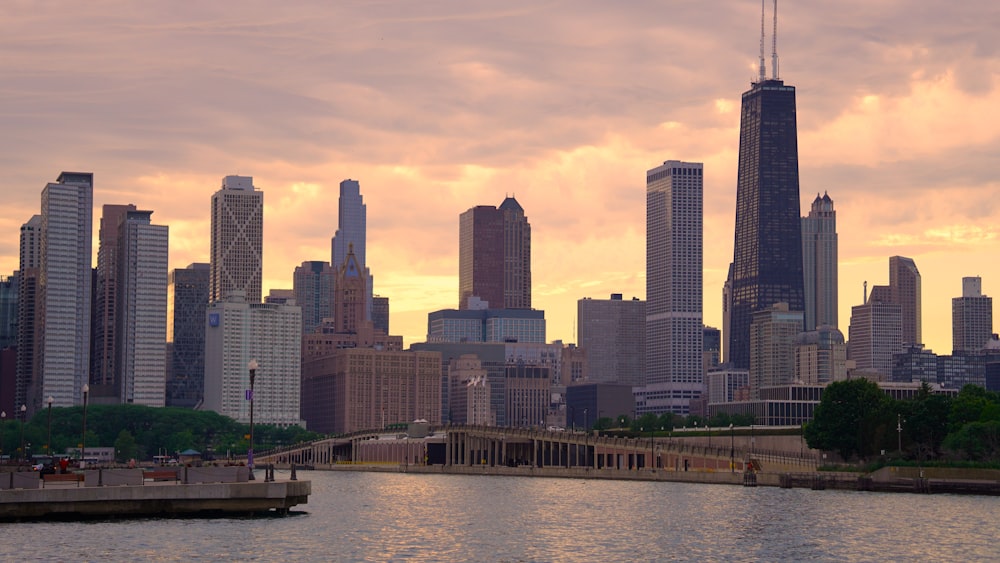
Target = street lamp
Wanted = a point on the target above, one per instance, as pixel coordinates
(252, 366)
(24, 417)
(732, 449)
(83, 437)
(48, 440)
(899, 433)
(3, 426)
(586, 421)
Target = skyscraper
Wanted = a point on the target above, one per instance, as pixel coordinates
(27, 305)
(674, 376)
(237, 250)
(64, 291)
(352, 233)
(772, 345)
(187, 298)
(875, 333)
(767, 252)
(904, 284)
(313, 285)
(495, 256)
(141, 312)
(971, 317)
(612, 332)
(819, 263)
(102, 354)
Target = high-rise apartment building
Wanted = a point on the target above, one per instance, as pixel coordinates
(141, 313)
(64, 292)
(8, 309)
(772, 347)
(352, 234)
(103, 354)
(27, 307)
(876, 332)
(767, 255)
(819, 263)
(187, 299)
(971, 318)
(612, 332)
(313, 284)
(495, 256)
(237, 248)
(237, 332)
(820, 356)
(904, 284)
(674, 337)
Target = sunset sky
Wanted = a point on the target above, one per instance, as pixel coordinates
(435, 107)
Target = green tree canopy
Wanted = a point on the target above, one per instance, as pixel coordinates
(851, 419)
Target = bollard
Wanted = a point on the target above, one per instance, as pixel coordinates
(293, 478)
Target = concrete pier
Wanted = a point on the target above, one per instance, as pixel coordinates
(164, 499)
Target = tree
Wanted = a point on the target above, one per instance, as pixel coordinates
(603, 423)
(126, 447)
(851, 419)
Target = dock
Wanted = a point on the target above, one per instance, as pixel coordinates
(118, 493)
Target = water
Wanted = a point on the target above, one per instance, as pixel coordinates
(407, 517)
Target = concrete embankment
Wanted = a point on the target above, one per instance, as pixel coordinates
(76, 500)
(889, 479)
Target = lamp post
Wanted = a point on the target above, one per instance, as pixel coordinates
(899, 433)
(24, 418)
(252, 366)
(732, 449)
(83, 437)
(3, 426)
(586, 421)
(48, 439)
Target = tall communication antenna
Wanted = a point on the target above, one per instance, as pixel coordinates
(774, 44)
(763, 70)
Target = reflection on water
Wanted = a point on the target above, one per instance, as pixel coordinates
(405, 517)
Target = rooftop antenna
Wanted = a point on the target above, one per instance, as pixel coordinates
(774, 44)
(763, 70)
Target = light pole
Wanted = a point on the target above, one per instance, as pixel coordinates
(48, 439)
(3, 426)
(24, 418)
(252, 366)
(732, 449)
(83, 437)
(586, 421)
(899, 433)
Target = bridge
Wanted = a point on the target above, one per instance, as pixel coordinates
(491, 446)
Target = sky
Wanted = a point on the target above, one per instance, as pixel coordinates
(439, 106)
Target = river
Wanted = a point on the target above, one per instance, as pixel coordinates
(355, 516)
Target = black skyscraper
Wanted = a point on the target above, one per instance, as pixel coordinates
(767, 257)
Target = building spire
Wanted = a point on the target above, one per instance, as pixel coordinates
(763, 69)
(774, 44)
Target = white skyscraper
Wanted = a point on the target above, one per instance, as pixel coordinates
(819, 263)
(27, 303)
(971, 317)
(237, 332)
(674, 377)
(64, 291)
(352, 232)
(237, 251)
(141, 333)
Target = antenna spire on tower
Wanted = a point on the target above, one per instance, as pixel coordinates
(763, 70)
(774, 44)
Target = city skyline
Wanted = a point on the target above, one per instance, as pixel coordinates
(894, 107)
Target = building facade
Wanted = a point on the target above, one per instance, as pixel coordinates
(773, 335)
(674, 374)
(352, 234)
(27, 308)
(876, 332)
(486, 325)
(141, 311)
(235, 333)
(495, 256)
(613, 334)
(904, 283)
(820, 356)
(819, 263)
(313, 285)
(103, 355)
(187, 299)
(62, 352)
(971, 318)
(237, 247)
(767, 255)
